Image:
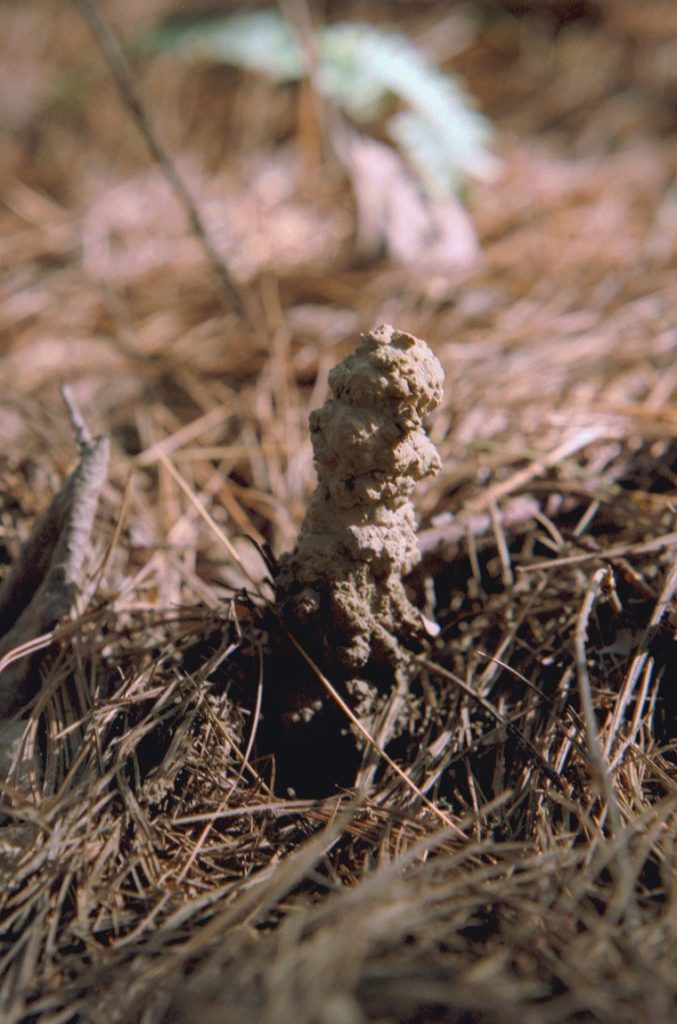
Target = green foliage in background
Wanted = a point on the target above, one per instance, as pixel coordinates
(362, 69)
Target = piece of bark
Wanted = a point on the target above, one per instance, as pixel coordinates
(39, 590)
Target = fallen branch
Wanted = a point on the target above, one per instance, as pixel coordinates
(39, 590)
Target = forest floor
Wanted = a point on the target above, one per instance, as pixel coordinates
(518, 862)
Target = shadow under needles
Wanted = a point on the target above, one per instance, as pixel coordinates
(163, 828)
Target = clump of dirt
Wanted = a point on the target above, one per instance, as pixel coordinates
(358, 540)
(341, 589)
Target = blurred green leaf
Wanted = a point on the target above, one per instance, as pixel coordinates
(261, 41)
(362, 69)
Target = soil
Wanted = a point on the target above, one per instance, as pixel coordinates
(166, 854)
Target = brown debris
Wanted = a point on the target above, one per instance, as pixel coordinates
(39, 590)
(147, 871)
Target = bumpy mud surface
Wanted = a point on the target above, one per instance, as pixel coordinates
(358, 540)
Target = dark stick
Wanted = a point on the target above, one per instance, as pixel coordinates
(39, 590)
(118, 64)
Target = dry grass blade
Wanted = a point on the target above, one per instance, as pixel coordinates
(208, 519)
(599, 768)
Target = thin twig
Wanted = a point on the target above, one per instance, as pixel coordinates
(209, 520)
(122, 73)
(83, 434)
(656, 544)
(597, 763)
